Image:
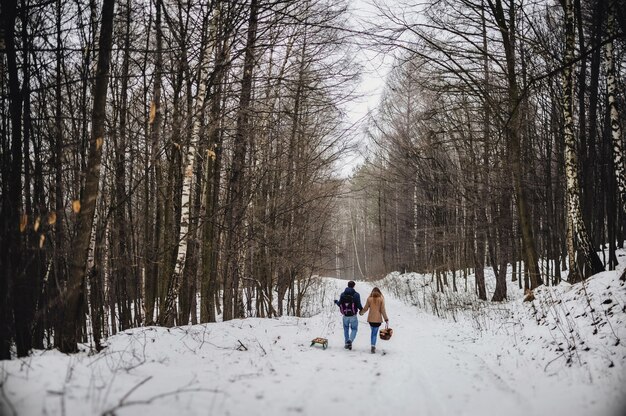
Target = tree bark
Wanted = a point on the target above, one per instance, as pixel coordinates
(213, 176)
(76, 283)
(235, 207)
(24, 284)
(616, 130)
(59, 272)
(579, 231)
(152, 224)
(512, 130)
(12, 193)
(503, 231)
(122, 279)
(169, 307)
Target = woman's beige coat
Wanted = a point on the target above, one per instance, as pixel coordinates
(376, 306)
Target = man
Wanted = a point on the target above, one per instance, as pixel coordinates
(349, 304)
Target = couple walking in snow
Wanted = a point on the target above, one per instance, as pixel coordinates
(350, 303)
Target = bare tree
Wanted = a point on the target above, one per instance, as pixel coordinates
(590, 258)
(75, 290)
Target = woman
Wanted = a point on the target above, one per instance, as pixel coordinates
(376, 306)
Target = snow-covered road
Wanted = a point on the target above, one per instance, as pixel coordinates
(429, 367)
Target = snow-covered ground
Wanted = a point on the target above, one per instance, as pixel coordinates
(554, 356)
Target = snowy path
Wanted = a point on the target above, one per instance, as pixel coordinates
(417, 372)
(429, 367)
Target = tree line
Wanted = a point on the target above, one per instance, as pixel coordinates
(164, 157)
(499, 140)
(166, 162)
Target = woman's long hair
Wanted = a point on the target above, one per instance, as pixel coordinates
(376, 293)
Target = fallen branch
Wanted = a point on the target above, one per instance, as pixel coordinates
(111, 411)
(562, 355)
(141, 383)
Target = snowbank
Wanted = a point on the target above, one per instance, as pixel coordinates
(557, 355)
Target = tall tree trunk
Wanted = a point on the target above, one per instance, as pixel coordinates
(590, 161)
(586, 167)
(190, 271)
(481, 178)
(235, 207)
(152, 222)
(479, 254)
(210, 234)
(41, 261)
(382, 223)
(579, 231)
(503, 233)
(96, 289)
(24, 289)
(121, 247)
(171, 193)
(168, 308)
(75, 288)
(616, 130)
(59, 275)
(12, 193)
(512, 130)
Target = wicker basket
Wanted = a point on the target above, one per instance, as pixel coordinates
(386, 333)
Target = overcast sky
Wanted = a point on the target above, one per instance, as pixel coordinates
(374, 67)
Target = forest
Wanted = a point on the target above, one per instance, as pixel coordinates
(167, 162)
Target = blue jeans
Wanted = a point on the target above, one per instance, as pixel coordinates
(374, 334)
(350, 322)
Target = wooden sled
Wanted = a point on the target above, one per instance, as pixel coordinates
(322, 341)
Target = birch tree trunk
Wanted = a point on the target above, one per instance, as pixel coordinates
(616, 136)
(616, 131)
(78, 263)
(96, 289)
(590, 259)
(168, 308)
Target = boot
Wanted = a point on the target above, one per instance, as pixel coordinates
(373, 349)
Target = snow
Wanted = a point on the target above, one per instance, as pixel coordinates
(552, 356)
